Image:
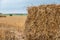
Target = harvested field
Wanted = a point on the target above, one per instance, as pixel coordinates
(43, 22)
(12, 27)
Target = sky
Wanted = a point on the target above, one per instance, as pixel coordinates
(20, 6)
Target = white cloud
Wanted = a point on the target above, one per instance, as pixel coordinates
(4, 1)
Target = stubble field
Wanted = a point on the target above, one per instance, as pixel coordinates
(12, 25)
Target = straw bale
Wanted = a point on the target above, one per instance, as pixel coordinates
(43, 22)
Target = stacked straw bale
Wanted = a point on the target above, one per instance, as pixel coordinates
(43, 23)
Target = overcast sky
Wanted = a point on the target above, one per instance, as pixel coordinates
(20, 6)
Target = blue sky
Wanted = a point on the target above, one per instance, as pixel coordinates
(20, 6)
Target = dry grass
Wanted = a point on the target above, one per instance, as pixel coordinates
(12, 27)
(14, 20)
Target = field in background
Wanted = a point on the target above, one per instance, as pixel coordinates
(15, 22)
